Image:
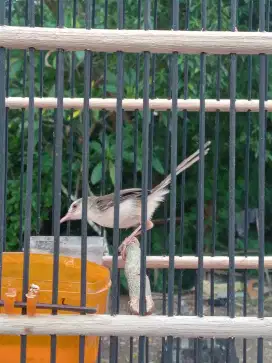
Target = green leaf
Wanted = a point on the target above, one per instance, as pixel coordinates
(96, 173)
(157, 165)
(112, 172)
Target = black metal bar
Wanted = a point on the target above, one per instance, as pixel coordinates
(29, 182)
(144, 215)
(76, 309)
(104, 113)
(262, 147)
(117, 187)
(232, 154)
(215, 171)
(173, 192)
(57, 173)
(6, 128)
(183, 178)
(136, 135)
(71, 131)
(2, 142)
(22, 141)
(166, 205)
(247, 165)
(85, 173)
(152, 119)
(42, 57)
(104, 132)
(201, 180)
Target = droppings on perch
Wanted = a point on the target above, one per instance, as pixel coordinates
(132, 273)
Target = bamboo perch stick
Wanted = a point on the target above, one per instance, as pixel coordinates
(136, 41)
(132, 272)
(133, 325)
(211, 105)
(191, 262)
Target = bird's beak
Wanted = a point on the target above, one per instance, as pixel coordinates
(65, 218)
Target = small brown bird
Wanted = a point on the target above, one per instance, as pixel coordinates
(100, 209)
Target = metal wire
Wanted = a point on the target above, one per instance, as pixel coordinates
(145, 132)
(261, 211)
(57, 173)
(232, 146)
(183, 180)
(117, 185)
(2, 142)
(41, 81)
(29, 173)
(71, 131)
(6, 128)
(174, 131)
(166, 205)
(247, 187)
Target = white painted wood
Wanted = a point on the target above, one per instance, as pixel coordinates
(191, 262)
(133, 325)
(136, 41)
(70, 246)
(109, 104)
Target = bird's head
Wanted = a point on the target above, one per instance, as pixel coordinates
(74, 211)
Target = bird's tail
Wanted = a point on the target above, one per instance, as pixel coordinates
(185, 164)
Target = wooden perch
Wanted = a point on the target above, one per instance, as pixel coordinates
(132, 325)
(132, 273)
(136, 41)
(191, 262)
(130, 104)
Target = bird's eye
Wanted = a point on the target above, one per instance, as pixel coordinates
(74, 206)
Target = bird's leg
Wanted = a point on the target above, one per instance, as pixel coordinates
(129, 239)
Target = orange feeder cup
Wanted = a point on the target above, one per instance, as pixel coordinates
(41, 274)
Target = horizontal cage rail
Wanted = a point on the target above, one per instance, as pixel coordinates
(191, 262)
(127, 325)
(211, 105)
(136, 41)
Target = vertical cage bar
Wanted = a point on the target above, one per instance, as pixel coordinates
(183, 180)
(215, 170)
(29, 172)
(85, 172)
(136, 135)
(144, 200)
(173, 192)
(2, 142)
(200, 194)
(41, 81)
(117, 186)
(7, 79)
(261, 212)
(71, 131)
(246, 177)
(232, 161)
(104, 113)
(57, 173)
(166, 204)
(104, 134)
(152, 119)
(22, 141)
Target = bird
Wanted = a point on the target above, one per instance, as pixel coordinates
(100, 209)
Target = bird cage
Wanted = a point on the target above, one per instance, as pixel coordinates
(134, 164)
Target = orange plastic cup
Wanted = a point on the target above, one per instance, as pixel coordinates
(41, 274)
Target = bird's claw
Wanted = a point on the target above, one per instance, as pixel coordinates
(123, 246)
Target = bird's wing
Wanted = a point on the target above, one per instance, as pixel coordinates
(107, 201)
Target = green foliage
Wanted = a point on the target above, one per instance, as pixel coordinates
(18, 123)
